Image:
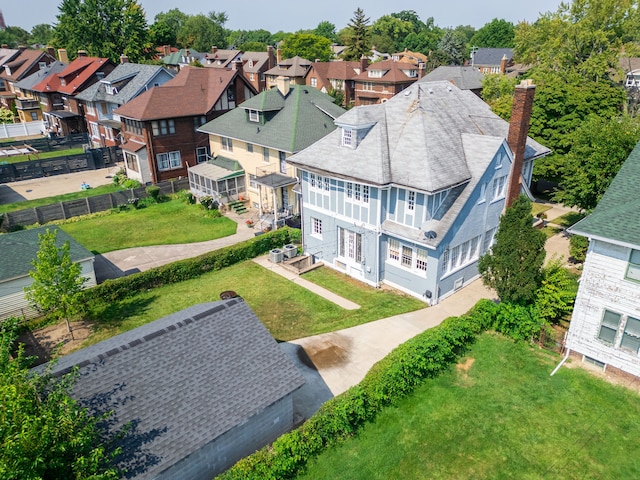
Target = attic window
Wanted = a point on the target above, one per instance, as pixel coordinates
(375, 73)
(100, 75)
(63, 82)
(254, 115)
(347, 137)
(111, 90)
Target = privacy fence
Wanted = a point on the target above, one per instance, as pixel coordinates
(83, 206)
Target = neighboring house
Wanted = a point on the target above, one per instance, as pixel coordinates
(261, 134)
(100, 100)
(221, 58)
(382, 80)
(409, 193)
(19, 249)
(465, 78)
(198, 389)
(605, 325)
(28, 100)
(256, 64)
(336, 76)
(176, 60)
(160, 126)
(415, 58)
(631, 68)
(295, 69)
(492, 60)
(376, 56)
(26, 63)
(338, 50)
(57, 92)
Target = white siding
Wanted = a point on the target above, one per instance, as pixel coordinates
(603, 286)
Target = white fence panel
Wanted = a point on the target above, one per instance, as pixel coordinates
(14, 130)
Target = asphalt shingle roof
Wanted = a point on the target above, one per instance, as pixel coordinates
(31, 81)
(617, 215)
(20, 248)
(491, 56)
(291, 67)
(182, 380)
(136, 76)
(465, 78)
(292, 123)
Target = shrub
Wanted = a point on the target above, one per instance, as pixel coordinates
(578, 246)
(186, 196)
(154, 192)
(130, 183)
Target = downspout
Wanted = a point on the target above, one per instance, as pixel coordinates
(564, 359)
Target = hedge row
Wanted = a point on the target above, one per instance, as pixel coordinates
(424, 356)
(114, 290)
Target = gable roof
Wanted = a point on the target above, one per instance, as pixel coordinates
(76, 76)
(8, 54)
(183, 56)
(183, 380)
(394, 72)
(28, 83)
(19, 65)
(491, 56)
(137, 77)
(193, 91)
(342, 70)
(253, 62)
(20, 248)
(292, 122)
(291, 67)
(222, 58)
(465, 78)
(616, 218)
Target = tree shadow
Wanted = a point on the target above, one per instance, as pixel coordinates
(113, 314)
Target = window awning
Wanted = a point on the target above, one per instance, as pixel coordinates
(275, 180)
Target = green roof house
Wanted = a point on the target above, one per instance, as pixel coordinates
(605, 326)
(260, 134)
(19, 249)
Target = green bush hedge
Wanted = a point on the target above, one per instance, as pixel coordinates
(114, 290)
(424, 356)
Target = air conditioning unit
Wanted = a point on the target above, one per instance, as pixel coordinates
(276, 255)
(290, 251)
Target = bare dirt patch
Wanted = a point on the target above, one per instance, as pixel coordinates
(463, 370)
(54, 340)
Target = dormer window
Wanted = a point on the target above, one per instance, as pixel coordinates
(250, 63)
(254, 115)
(347, 137)
(7, 69)
(375, 73)
(63, 82)
(100, 75)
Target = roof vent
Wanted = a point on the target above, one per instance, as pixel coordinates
(430, 235)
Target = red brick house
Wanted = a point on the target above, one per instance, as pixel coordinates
(340, 76)
(383, 80)
(160, 126)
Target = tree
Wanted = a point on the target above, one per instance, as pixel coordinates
(495, 34)
(557, 292)
(6, 115)
(497, 91)
(513, 265)
(57, 280)
(357, 42)
(44, 433)
(452, 45)
(201, 32)
(388, 33)
(326, 29)
(412, 17)
(14, 36)
(307, 45)
(599, 147)
(41, 34)
(104, 28)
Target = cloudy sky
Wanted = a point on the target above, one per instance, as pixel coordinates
(275, 16)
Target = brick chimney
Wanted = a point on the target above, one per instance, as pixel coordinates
(62, 55)
(503, 64)
(214, 49)
(82, 53)
(237, 65)
(517, 137)
(51, 51)
(166, 50)
(364, 63)
(124, 59)
(284, 85)
(271, 58)
(278, 56)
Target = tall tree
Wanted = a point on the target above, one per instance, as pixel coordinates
(14, 36)
(388, 33)
(307, 45)
(358, 40)
(326, 29)
(599, 148)
(412, 17)
(513, 265)
(453, 46)
(495, 34)
(105, 28)
(44, 433)
(57, 280)
(201, 32)
(41, 34)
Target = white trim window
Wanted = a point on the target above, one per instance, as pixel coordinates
(131, 161)
(169, 160)
(460, 256)
(410, 258)
(254, 115)
(349, 245)
(631, 335)
(483, 192)
(499, 188)
(95, 130)
(347, 137)
(360, 193)
(316, 227)
(609, 327)
(489, 239)
(633, 269)
(411, 200)
(227, 144)
(394, 250)
(265, 154)
(202, 154)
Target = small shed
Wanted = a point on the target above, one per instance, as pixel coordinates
(19, 249)
(200, 389)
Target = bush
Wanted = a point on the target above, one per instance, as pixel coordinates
(186, 196)
(154, 192)
(578, 246)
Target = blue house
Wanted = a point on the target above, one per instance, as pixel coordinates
(409, 192)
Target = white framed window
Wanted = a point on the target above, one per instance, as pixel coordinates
(252, 76)
(312, 180)
(394, 250)
(444, 261)
(411, 200)
(421, 259)
(265, 154)
(499, 185)
(95, 130)
(91, 110)
(316, 227)
(460, 255)
(631, 335)
(633, 269)
(254, 115)
(227, 144)
(250, 147)
(483, 192)
(314, 82)
(349, 245)
(252, 182)
(163, 127)
(489, 239)
(169, 160)
(327, 184)
(499, 160)
(365, 194)
(131, 161)
(406, 260)
(202, 154)
(609, 326)
(367, 86)
(349, 189)
(347, 137)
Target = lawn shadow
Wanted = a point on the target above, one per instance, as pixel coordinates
(113, 314)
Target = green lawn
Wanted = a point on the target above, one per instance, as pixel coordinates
(504, 418)
(165, 223)
(42, 155)
(286, 309)
(39, 202)
(567, 219)
(537, 208)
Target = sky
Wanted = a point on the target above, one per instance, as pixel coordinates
(253, 15)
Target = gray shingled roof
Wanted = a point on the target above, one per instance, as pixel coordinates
(182, 380)
(465, 78)
(491, 56)
(32, 80)
(20, 248)
(291, 67)
(136, 76)
(292, 123)
(430, 137)
(616, 218)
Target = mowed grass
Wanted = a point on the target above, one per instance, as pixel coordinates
(41, 155)
(166, 223)
(497, 416)
(286, 309)
(39, 202)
